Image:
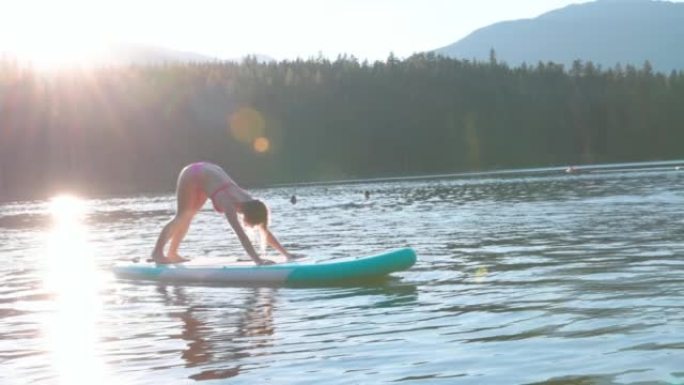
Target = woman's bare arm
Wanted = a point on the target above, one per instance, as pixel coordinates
(272, 241)
(244, 239)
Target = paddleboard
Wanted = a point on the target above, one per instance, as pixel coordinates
(231, 272)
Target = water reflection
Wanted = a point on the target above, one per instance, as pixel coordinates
(583, 273)
(72, 279)
(220, 338)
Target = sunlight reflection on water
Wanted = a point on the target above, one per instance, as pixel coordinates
(72, 278)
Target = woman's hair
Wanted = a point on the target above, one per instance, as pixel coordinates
(255, 213)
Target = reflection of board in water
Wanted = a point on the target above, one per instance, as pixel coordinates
(233, 272)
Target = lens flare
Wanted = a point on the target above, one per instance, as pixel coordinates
(481, 274)
(246, 125)
(262, 144)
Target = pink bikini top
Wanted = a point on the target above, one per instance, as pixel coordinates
(223, 187)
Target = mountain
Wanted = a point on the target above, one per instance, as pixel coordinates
(606, 32)
(140, 54)
(147, 54)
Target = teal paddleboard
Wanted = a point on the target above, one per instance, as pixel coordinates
(293, 273)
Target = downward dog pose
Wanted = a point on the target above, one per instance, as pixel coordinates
(201, 181)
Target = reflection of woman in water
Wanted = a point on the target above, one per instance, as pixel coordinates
(210, 343)
(199, 182)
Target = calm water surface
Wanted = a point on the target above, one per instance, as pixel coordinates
(521, 279)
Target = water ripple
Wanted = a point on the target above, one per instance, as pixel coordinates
(522, 279)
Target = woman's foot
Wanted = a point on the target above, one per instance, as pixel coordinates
(162, 260)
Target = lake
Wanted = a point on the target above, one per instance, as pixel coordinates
(525, 277)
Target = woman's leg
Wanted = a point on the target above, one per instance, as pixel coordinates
(158, 253)
(180, 229)
(190, 199)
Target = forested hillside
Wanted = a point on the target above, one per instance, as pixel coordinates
(131, 129)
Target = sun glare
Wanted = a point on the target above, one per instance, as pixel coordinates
(71, 270)
(53, 34)
(49, 55)
(71, 277)
(67, 208)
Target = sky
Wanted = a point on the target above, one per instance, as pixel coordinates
(54, 30)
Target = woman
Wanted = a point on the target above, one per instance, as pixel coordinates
(199, 182)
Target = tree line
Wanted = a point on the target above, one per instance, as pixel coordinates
(130, 129)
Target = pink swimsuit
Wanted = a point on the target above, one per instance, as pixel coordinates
(223, 187)
(195, 170)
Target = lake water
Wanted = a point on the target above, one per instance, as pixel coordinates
(522, 278)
